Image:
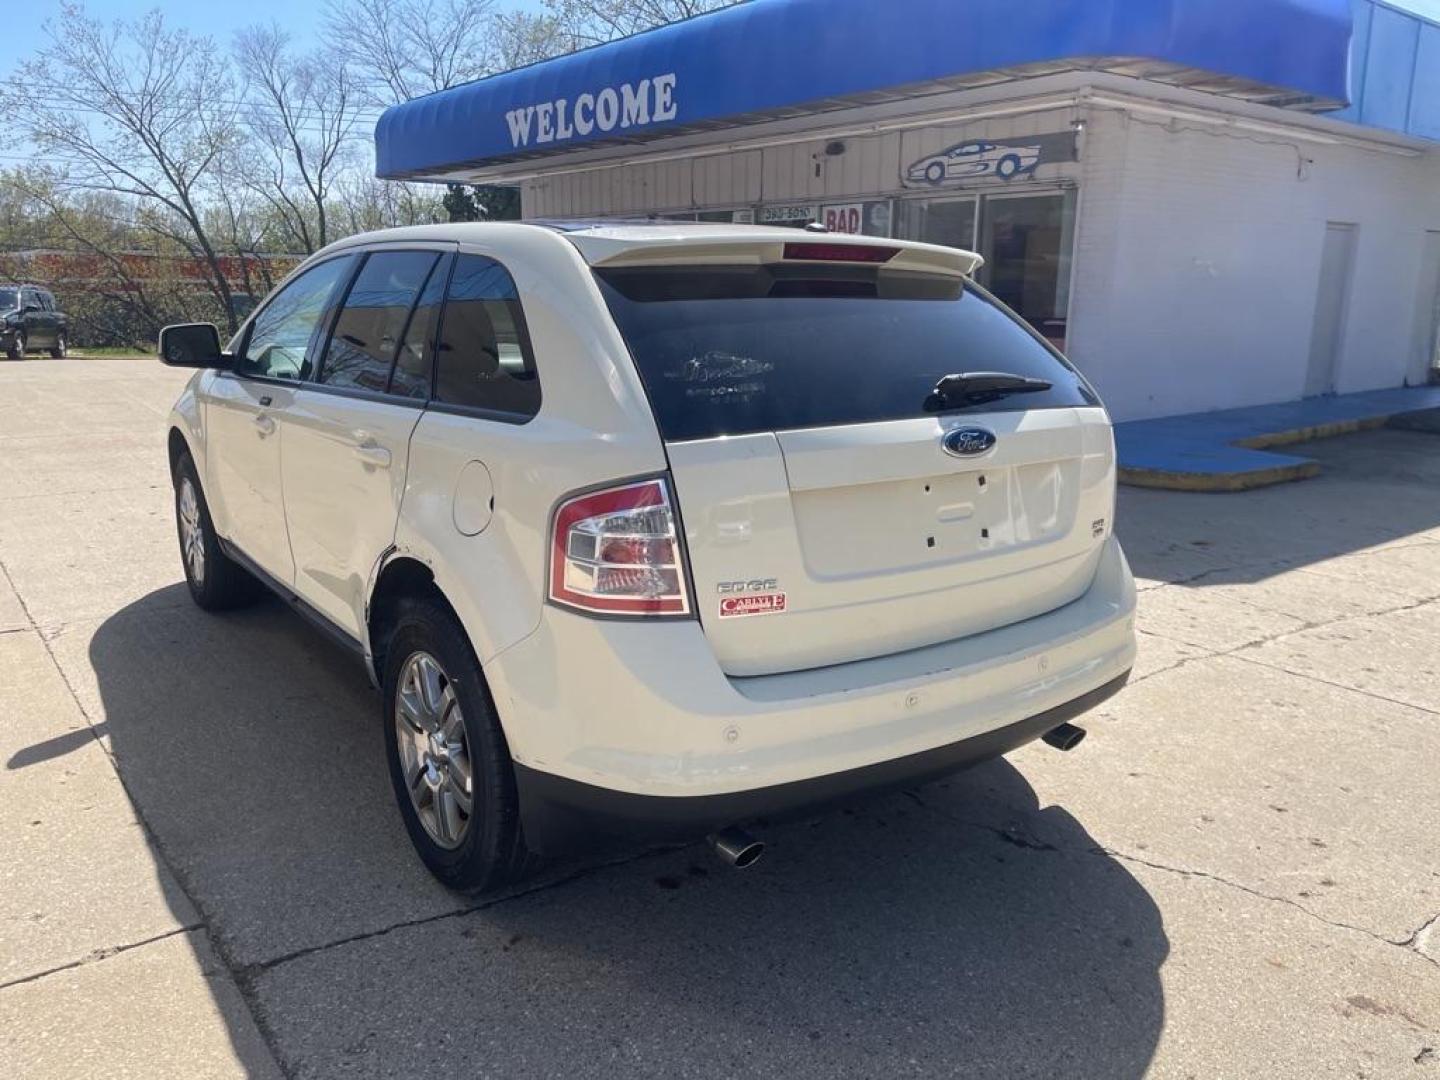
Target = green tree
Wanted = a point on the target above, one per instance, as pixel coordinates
(483, 202)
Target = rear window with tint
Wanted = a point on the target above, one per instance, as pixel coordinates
(728, 351)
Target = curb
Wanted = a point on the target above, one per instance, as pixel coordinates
(1161, 480)
(1425, 420)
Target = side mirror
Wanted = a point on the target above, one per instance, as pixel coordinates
(192, 345)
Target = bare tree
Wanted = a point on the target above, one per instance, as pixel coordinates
(368, 203)
(414, 47)
(566, 25)
(301, 118)
(137, 109)
(250, 236)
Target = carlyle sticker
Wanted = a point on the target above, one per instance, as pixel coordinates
(752, 604)
(629, 105)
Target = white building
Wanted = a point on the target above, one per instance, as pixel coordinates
(1206, 203)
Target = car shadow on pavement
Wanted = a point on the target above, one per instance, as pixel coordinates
(957, 929)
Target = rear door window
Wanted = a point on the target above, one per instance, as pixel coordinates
(484, 358)
(374, 318)
(728, 351)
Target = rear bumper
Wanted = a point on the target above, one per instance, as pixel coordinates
(562, 814)
(642, 709)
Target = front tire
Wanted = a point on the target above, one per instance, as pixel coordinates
(58, 351)
(216, 582)
(449, 761)
(17, 346)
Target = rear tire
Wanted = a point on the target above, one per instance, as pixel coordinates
(216, 582)
(437, 714)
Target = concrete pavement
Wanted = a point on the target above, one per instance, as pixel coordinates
(1238, 874)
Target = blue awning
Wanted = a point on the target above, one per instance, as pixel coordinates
(772, 58)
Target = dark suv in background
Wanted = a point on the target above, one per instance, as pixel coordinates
(30, 319)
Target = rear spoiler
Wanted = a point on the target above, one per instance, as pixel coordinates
(679, 250)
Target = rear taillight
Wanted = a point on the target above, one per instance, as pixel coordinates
(617, 552)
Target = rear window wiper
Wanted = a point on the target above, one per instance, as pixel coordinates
(978, 387)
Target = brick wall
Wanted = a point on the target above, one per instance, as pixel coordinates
(1197, 263)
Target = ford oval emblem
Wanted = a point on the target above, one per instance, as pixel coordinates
(968, 441)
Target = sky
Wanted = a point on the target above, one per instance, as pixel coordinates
(301, 17)
(219, 20)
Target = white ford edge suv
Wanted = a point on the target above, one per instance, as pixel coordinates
(657, 529)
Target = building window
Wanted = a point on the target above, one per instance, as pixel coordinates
(939, 221)
(1026, 243)
(1025, 239)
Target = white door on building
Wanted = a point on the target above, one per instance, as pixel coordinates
(1332, 300)
(1425, 352)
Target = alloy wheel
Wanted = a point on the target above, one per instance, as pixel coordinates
(192, 536)
(434, 750)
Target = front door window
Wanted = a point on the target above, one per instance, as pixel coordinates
(280, 339)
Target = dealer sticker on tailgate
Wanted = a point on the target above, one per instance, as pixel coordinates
(752, 604)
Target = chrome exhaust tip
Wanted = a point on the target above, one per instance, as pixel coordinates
(1065, 737)
(737, 848)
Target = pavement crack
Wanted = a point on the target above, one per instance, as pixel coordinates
(248, 974)
(1306, 625)
(1238, 651)
(1190, 579)
(97, 955)
(1415, 939)
(1019, 836)
(1016, 834)
(1330, 682)
(1409, 943)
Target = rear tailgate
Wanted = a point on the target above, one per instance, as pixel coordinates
(826, 521)
(871, 539)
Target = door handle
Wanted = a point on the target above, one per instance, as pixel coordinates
(264, 424)
(373, 454)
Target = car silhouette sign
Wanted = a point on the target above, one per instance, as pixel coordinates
(974, 158)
